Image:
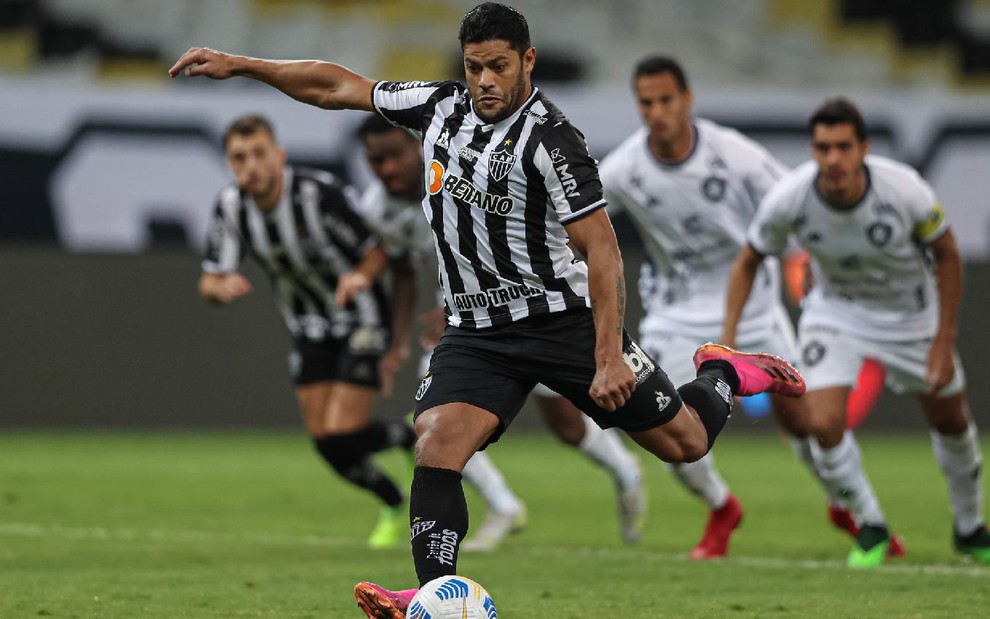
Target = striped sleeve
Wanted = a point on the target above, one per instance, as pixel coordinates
(409, 105)
(223, 240)
(569, 173)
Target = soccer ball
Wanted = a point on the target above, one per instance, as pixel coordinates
(452, 597)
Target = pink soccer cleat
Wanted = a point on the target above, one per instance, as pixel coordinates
(380, 603)
(758, 372)
(842, 518)
(721, 523)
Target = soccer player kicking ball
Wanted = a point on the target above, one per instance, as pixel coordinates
(510, 184)
(303, 231)
(392, 207)
(871, 225)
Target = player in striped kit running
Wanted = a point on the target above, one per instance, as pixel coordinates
(301, 228)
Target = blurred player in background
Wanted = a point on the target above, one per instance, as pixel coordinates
(301, 228)
(691, 187)
(511, 188)
(887, 285)
(393, 208)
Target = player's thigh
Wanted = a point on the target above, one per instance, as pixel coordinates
(907, 366)
(472, 371)
(313, 399)
(564, 419)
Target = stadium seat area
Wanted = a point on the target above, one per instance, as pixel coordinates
(783, 42)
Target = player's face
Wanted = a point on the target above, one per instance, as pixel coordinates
(665, 108)
(256, 162)
(396, 158)
(497, 77)
(839, 153)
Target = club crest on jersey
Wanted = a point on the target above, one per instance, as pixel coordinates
(879, 233)
(499, 164)
(714, 188)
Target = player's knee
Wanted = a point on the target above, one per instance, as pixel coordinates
(447, 438)
(569, 433)
(693, 447)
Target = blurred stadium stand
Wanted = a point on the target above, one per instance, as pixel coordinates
(792, 42)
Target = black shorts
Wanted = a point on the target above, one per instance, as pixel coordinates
(495, 369)
(333, 359)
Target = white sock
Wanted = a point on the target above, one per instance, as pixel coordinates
(481, 473)
(808, 452)
(959, 457)
(607, 449)
(840, 470)
(703, 480)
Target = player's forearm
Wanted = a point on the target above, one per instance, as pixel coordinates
(607, 287)
(323, 84)
(739, 287)
(373, 264)
(948, 273)
(404, 306)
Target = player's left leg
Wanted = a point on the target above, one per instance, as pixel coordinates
(349, 439)
(605, 448)
(957, 450)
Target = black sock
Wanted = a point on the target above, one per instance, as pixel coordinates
(710, 396)
(438, 517)
(720, 368)
(382, 435)
(349, 456)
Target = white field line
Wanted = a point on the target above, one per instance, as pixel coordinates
(13, 529)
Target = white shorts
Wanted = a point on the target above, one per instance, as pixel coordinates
(539, 390)
(832, 358)
(674, 352)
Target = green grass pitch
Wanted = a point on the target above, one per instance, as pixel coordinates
(168, 525)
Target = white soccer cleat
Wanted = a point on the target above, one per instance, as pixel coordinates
(494, 529)
(632, 511)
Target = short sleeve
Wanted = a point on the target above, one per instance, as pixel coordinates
(569, 172)
(409, 105)
(223, 238)
(771, 226)
(927, 214)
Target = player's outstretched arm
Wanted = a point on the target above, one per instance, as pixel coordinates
(323, 84)
(740, 285)
(594, 237)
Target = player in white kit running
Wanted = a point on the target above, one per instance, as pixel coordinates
(392, 207)
(691, 187)
(887, 285)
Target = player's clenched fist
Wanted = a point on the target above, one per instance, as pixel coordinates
(204, 61)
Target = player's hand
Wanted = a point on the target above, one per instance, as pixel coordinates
(349, 286)
(390, 363)
(612, 385)
(433, 324)
(229, 287)
(203, 61)
(940, 367)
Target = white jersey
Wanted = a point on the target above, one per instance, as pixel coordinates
(399, 223)
(693, 217)
(872, 276)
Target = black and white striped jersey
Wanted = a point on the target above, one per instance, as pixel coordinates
(304, 245)
(498, 197)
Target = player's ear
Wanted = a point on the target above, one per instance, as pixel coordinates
(866, 147)
(529, 60)
(281, 155)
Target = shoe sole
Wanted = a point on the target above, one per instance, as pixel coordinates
(786, 379)
(375, 605)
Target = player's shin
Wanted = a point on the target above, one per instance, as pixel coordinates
(710, 395)
(438, 517)
(959, 458)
